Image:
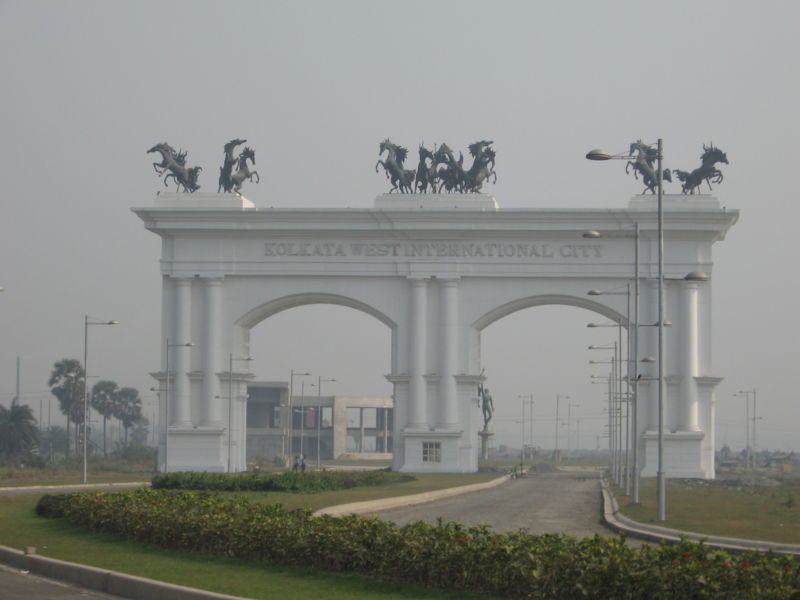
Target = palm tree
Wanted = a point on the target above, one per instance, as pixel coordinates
(128, 408)
(66, 384)
(18, 430)
(103, 399)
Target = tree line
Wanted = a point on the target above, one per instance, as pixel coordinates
(106, 397)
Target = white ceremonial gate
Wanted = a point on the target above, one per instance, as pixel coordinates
(436, 270)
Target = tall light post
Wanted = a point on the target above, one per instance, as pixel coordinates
(87, 321)
(529, 398)
(557, 452)
(290, 424)
(167, 346)
(570, 406)
(598, 154)
(232, 358)
(320, 379)
(749, 450)
(613, 380)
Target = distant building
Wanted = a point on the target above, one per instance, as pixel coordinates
(340, 426)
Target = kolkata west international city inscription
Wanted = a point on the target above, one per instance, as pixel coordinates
(515, 250)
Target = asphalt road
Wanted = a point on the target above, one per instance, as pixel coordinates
(558, 502)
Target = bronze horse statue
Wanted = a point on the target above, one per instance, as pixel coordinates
(426, 172)
(402, 179)
(707, 170)
(175, 163)
(482, 166)
(226, 170)
(643, 165)
(242, 170)
(451, 175)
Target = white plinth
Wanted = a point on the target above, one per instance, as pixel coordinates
(202, 200)
(481, 202)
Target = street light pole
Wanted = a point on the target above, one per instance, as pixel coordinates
(557, 453)
(660, 479)
(570, 406)
(319, 417)
(85, 428)
(290, 425)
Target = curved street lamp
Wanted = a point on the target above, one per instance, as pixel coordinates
(602, 155)
(86, 323)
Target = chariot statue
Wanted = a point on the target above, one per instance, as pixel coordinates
(707, 171)
(438, 170)
(173, 166)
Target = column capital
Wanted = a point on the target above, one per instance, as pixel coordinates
(450, 282)
(182, 281)
(419, 280)
(213, 281)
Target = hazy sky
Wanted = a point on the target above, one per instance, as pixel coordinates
(88, 87)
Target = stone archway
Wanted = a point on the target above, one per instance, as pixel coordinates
(436, 270)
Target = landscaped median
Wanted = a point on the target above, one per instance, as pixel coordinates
(447, 555)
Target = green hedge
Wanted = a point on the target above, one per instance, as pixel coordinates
(447, 555)
(312, 482)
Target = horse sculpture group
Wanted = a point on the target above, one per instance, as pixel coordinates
(173, 166)
(644, 158)
(437, 171)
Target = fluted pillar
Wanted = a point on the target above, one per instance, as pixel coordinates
(448, 392)
(182, 409)
(417, 418)
(211, 414)
(688, 412)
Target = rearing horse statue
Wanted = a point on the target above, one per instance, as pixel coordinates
(402, 179)
(643, 165)
(175, 163)
(242, 171)
(226, 170)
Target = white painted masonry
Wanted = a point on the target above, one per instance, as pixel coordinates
(436, 270)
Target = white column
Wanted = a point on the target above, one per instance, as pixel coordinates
(211, 362)
(448, 392)
(418, 361)
(688, 420)
(182, 410)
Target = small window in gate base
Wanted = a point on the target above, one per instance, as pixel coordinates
(432, 452)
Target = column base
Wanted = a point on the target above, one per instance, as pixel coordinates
(195, 449)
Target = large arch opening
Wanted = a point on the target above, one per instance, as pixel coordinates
(535, 352)
(331, 355)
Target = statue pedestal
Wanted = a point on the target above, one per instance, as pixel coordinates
(200, 200)
(482, 202)
(485, 435)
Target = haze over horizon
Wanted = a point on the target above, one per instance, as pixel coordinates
(314, 87)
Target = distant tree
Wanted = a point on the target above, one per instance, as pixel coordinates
(18, 431)
(128, 408)
(140, 431)
(103, 399)
(66, 384)
(52, 440)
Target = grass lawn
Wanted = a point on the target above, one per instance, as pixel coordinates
(756, 513)
(19, 526)
(11, 477)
